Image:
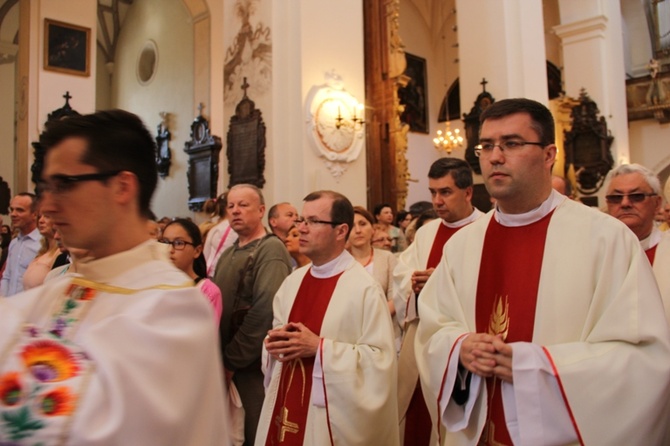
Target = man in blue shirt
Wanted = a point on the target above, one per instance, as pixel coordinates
(23, 249)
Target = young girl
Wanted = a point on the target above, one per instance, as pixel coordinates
(185, 242)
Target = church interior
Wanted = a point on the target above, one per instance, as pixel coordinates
(346, 95)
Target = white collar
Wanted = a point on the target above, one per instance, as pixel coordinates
(476, 213)
(334, 267)
(514, 220)
(652, 240)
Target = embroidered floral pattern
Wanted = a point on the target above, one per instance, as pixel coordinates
(49, 361)
(79, 292)
(59, 401)
(44, 374)
(10, 389)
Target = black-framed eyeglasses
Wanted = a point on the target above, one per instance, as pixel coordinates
(313, 221)
(637, 197)
(509, 146)
(59, 183)
(177, 244)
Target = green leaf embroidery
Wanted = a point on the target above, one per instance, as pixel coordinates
(20, 425)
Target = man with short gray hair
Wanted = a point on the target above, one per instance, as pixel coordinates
(634, 197)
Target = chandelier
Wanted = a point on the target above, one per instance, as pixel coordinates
(447, 141)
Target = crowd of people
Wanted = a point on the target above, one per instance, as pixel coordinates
(328, 323)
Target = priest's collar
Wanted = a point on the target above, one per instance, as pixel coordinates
(335, 266)
(476, 213)
(653, 239)
(529, 217)
(102, 270)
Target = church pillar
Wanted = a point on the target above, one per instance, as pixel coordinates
(504, 43)
(591, 36)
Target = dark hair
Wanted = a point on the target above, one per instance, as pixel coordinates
(360, 210)
(199, 264)
(459, 169)
(33, 200)
(117, 140)
(400, 217)
(420, 207)
(216, 206)
(378, 209)
(541, 119)
(340, 212)
(424, 217)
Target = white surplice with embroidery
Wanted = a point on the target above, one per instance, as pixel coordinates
(155, 375)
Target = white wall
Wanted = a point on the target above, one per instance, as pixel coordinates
(421, 152)
(167, 23)
(7, 104)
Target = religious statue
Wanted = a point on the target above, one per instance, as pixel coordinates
(163, 154)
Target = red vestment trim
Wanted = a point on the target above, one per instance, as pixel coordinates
(443, 234)
(289, 416)
(509, 278)
(565, 398)
(438, 421)
(651, 254)
(418, 424)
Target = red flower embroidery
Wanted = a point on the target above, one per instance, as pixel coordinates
(10, 389)
(49, 361)
(59, 401)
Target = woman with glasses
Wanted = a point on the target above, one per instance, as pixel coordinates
(185, 242)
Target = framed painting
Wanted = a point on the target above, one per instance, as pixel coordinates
(67, 48)
(414, 96)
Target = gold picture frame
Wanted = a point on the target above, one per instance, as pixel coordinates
(67, 48)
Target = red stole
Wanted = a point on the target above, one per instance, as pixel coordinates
(418, 425)
(444, 233)
(289, 417)
(509, 277)
(651, 254)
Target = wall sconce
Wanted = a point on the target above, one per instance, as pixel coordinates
(336, 121)
(357, 122)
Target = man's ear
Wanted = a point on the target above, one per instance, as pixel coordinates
(126, 187)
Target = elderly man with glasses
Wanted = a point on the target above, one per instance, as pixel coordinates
(542, 319)
(332, 371)
(634, 197)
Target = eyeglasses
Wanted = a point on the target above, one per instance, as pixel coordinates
(637, 197)
(177, 244)
(313, 221)
(59, 184)
(510, 146)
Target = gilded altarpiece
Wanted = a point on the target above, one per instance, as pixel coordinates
(386, 138)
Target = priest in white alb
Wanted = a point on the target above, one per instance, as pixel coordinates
(633, 195)
(332, 361)
(450, 186)
(542, 324)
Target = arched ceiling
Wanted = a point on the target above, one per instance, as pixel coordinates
(435, 13)
(111, 14)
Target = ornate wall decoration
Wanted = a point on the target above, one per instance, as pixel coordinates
(64, 112)
(245, 144)
(249, 56)
(587, 146)
(203, 163)
(163, 153)
(335, 120)
(471, 121)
